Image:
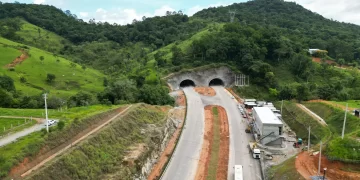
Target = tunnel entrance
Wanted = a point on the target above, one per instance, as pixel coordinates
(216, 82)
(187, 83)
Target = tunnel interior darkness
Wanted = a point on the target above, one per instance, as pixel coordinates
(216, 82)
(187, 83)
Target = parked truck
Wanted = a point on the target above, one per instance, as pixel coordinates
(253, 147)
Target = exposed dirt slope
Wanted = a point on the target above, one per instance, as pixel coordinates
(307, 166)
(18, 60)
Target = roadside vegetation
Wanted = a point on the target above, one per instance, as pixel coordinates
(299, 121)
(337, 148)
(77, 120)
(284, 171)
(215, 146)
(139, 126)
(10, 125)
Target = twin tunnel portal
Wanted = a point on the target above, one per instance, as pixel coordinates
(191, 83)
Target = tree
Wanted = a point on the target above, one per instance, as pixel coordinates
(6, 99)
(81, 99)
(178, 56)
(42, 59)
(341, 61)
(50, 78)
(105, 82)
(155, 95)
(302, 92)
(7, 83)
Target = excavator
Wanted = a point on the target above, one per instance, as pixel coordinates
(253, 147)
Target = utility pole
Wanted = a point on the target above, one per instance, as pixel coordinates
(282, 103)
(46, 114)
(309, 141)
(319, 158)
(343, 130)
(232, 15)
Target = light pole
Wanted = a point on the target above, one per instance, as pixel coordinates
(46, 115)
(324, 173)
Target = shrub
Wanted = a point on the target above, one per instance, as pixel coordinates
(61, 125)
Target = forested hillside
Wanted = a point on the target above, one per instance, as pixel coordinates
(268, 40)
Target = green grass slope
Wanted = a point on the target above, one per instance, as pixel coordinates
(184, 45)
(39, 37)
(69, 80)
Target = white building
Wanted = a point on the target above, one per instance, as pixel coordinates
(266, 122)
(313, 51)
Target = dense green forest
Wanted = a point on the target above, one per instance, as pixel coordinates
(268, 40)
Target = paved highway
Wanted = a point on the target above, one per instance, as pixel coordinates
(184, 161)
(239, 151)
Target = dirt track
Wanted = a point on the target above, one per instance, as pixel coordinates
(307, 166)
(26, 166)
(223, 156)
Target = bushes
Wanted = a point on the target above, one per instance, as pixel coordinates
(346, 149)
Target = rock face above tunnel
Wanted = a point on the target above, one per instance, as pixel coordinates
(202, 77)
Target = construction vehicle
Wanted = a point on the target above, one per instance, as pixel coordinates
(253, 147)
(298, 143)
(247, 130)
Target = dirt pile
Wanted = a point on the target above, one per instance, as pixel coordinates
(205, 91)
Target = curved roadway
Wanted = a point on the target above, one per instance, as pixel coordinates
(183, 164)
(184, 161)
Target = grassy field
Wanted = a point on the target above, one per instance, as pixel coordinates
(69, 79)
(8, 125)
(215, 147)
(284, 171)
(351, 103)
(39, 37)
(334, 117)
(76, 119)
(299, 121)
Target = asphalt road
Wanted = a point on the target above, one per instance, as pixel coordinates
(184, 161)
(13, 137)
(239, 151)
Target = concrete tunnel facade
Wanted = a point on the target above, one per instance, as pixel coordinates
(214, 76)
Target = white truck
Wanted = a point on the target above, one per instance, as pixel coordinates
(238, 172)
(255, 151)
